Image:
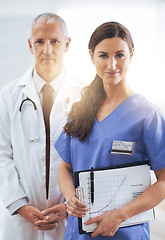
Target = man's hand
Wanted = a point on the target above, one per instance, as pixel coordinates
(31, 213)
(53, 216)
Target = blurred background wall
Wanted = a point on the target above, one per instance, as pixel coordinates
(144, 18)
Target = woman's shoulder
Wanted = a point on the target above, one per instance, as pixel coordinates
(145, 108)
(143, 103)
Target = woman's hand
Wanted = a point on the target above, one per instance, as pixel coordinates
(66, 184)
(75, 207)
(108, 223)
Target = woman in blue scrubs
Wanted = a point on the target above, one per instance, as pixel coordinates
(110, 114)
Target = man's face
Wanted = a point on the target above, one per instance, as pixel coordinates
(48, 44)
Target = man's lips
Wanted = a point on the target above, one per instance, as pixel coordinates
(47, 59)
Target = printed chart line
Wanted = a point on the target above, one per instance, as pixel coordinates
(113, 197)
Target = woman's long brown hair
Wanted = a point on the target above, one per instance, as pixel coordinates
(82, 114)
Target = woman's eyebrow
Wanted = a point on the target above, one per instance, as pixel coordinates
(102, 52)
(120, 51)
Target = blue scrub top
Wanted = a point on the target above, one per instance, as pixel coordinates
(134, 120)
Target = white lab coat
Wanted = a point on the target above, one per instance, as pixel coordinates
(22, 162)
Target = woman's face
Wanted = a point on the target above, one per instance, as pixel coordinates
(111, 58)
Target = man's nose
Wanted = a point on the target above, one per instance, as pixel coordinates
(111, 63)
(48, 47)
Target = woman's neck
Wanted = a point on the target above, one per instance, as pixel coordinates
(117, 93)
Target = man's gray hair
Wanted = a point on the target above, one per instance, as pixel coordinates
(49, 18)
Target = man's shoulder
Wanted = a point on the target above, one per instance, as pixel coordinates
(9, 88)
(13, 85)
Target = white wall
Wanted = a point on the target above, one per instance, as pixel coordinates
(144, 18)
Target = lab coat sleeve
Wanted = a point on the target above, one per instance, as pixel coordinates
(16, 205)
(154, 139)
(10, 188)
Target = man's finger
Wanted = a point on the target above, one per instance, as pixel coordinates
(48, 221)
(50, 210)
(47, 227)
(40, 215)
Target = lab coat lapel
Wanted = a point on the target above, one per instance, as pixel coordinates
(65, 96)
(30, 91)
(63, 99)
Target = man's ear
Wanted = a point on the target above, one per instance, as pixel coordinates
(91, 54)
(30, 46)
(67, 44)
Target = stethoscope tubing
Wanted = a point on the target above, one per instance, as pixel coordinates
(27, 99)
(35, 108)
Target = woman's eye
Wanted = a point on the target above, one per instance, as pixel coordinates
(120, 55)
(103, 56)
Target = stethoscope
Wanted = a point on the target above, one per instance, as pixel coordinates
(30, 128)
(27, 99)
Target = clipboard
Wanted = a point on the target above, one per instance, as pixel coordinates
(114, 187)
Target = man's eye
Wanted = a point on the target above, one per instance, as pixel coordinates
(39, 42)
(54, 41)
(120, 55)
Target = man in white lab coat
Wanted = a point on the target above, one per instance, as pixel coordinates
(35, 210)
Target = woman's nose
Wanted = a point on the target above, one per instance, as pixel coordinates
(111, 63)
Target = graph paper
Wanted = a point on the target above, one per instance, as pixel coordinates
(114, 188)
